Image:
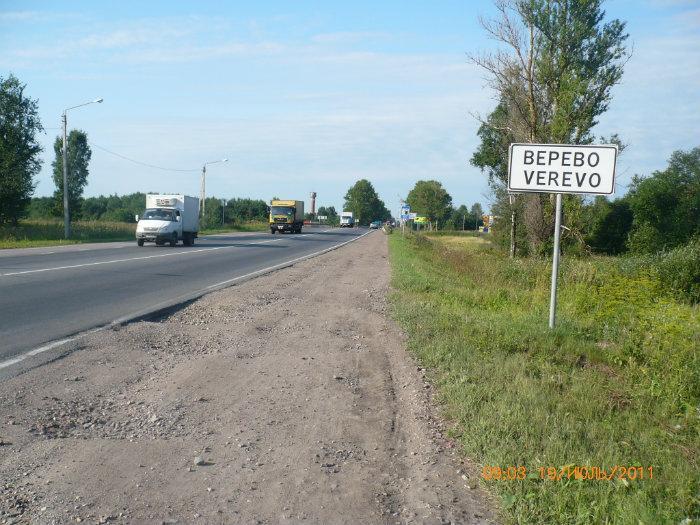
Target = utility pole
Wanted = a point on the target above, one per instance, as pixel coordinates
(66, 211)
(511, 198)
(202, 193)
(464, 219)
(223, 212)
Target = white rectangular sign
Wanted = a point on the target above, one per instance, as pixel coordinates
(562, 168)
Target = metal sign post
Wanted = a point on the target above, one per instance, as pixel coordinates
(555, 263)
(559, 169)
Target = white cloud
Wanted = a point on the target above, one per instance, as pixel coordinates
(349, 37)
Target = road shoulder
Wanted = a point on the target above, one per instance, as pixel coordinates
(289, 397)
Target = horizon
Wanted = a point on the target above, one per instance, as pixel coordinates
(314, 97)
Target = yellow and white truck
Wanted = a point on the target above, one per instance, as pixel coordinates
(286, 216)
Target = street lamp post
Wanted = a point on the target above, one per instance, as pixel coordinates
(203, 184)
(66, 211)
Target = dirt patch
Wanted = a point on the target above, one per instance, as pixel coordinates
(285, 399)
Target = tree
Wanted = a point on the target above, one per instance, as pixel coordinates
(19, 149)
(553, 83)
(459, 218)
(610, 231)
(362, 200)
(79, 154)
(666, 206)
(429, 199)
(329, 212)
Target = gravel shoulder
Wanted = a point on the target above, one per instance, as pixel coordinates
(289, 398)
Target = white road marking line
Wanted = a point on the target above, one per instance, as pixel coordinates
(54, 344)
(286, 263)
(41, 349)
(24, 272)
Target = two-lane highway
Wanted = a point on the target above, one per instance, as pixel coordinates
(51, 293)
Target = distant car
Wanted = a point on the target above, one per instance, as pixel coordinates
(375, 225)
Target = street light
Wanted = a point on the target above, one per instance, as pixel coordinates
(66, 212)
(201, 191)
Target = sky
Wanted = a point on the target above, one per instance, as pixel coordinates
(313, 95)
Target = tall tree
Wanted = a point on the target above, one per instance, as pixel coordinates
(79, 154)
(666, 206)
(429, 199)
(362, 200)
(553, 82)
(19, 149)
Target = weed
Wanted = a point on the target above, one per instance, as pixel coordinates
(616, 383)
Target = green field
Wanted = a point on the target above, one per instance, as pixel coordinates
(33, 233)
(616, 383)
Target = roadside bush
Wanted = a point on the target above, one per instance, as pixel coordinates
(678, 270)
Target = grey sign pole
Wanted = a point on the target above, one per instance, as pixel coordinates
(555, 264)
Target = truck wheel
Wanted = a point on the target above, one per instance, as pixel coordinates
(139, 242)
(173, 241)
(273, 231)
(186, 239)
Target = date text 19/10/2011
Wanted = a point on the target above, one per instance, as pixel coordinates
(577, 472)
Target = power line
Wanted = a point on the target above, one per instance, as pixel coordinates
(138, 161)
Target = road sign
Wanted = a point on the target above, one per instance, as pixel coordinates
(562, 168)
(421, 220)
(413, 215)
(322, 217)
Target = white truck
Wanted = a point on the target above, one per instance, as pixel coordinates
(346, 219)
(168, 218)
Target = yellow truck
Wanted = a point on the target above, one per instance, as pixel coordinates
(286, 216)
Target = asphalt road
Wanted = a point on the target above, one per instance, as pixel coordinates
(47, 294)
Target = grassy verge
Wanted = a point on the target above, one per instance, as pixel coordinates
(617, 383)
(50, 233)
(30, 234)
(253, 226)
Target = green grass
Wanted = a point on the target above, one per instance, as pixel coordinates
(36, 233)
(616, 383)
(50, 233)
(252, 226)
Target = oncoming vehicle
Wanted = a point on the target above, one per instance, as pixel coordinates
(168, 219)
(375, 225)
(286, 216)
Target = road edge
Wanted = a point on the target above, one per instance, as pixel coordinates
(52, 350)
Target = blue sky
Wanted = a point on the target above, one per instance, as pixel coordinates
(303, 96)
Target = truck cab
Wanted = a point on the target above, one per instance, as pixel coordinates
(286, 216)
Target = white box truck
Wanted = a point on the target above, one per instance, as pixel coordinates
(346, 219)
(168, 218)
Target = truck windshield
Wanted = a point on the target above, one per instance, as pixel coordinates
(281, 210)
(158, 214)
